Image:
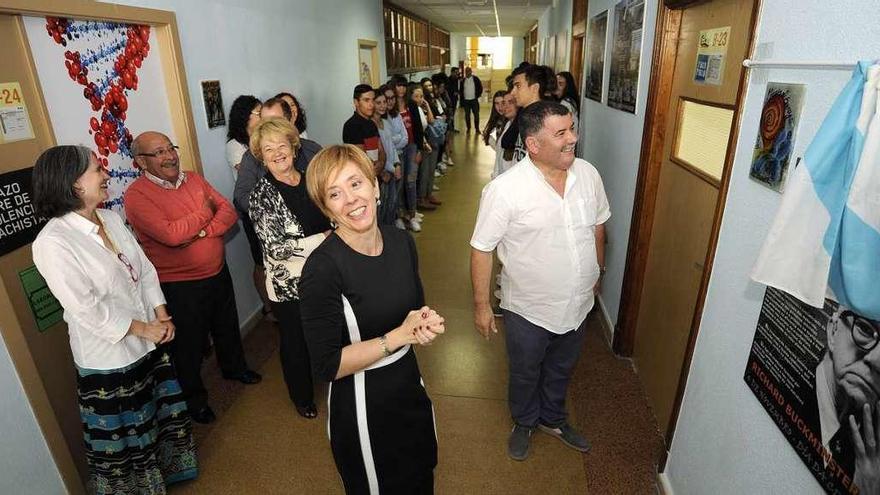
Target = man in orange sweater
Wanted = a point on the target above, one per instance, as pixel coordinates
(180, 221)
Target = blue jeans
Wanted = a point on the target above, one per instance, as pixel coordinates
(541, 363)
(410, 177)
(387, 212)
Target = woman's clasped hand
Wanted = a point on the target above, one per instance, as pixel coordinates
(422, 326)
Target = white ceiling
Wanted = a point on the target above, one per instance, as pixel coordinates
(469, 16)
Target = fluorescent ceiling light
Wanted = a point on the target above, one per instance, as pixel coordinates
(497, 24)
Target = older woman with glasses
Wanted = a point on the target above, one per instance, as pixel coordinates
(289, 227)
(362, 308)
(137, 434)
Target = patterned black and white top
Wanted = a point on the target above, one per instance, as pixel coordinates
(290, 226)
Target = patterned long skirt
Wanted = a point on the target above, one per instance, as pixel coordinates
(137, 430)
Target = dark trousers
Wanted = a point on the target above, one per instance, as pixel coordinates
(295, 361)
(541, 363)
(451, 119)
(471, 106)
(197, 308)
(389, 196)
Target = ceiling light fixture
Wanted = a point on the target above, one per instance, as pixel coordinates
(497, 24)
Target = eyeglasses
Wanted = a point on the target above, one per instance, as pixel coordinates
(133, 274)
(864, 331)
(169, 151)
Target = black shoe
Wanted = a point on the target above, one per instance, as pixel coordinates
(204, 415)
(309, 412)
(248, 377)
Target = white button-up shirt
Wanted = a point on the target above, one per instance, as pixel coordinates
(96, 288)
(546, 243)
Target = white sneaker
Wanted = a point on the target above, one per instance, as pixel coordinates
(399, 224)
(414, 225)
(419, 216)
(436, 187)
(437, 173)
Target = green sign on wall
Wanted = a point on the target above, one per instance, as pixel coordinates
(46, 309)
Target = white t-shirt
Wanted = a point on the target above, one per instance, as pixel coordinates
(97, 290)
(501, 165)
(234, 152)
(469, 88)
(546, 243)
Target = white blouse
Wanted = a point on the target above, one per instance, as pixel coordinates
(100, 294)
(234, 152)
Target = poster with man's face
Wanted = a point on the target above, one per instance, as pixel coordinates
(817, 373)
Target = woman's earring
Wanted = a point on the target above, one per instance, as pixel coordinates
(332, 225)
(378, 202)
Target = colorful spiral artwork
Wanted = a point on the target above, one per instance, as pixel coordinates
(107, 71)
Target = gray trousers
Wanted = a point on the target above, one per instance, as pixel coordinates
(541, 363)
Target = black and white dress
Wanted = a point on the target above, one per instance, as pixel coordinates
(381, 421)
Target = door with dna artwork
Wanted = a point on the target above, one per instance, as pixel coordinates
(103, 84)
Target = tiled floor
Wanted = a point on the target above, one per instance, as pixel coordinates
(259, 444)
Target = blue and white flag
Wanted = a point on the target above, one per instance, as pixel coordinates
(825, 240)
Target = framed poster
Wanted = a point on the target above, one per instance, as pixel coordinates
(775, 142)
(598, 29)
(213, 104)
(812, 370)
(623, 84)
(368, 62)
(561, 52)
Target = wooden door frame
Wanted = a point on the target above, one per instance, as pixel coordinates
(664, 53)
(167, 43)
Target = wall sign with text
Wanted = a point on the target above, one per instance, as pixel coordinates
(711, 53)
(15, 124)
(46, 309)
(19, 224)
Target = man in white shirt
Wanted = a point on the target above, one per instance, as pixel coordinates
(471, 89)
(546, 217)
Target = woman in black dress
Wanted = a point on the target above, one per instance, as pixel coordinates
(362, 308)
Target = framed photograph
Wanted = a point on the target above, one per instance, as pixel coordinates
(368, 62)
(775, 141)
(598, 30)
(623, 83)
(213, 104)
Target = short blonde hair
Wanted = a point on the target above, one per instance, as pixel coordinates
(327, 163)
(272, 128)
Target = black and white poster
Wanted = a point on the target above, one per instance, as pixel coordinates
(18, 223)
(596, 56)
(817, 374)
(626, 51)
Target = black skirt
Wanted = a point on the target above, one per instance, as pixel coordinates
(137, 430)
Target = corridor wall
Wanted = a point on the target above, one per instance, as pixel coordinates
(611, 140)
(26, 460)
(725, 443)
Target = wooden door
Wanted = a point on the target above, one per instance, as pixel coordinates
(42, 358)
(712, 40)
